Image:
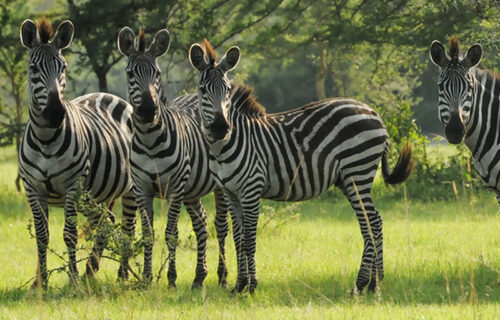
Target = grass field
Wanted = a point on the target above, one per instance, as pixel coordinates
(442, 261)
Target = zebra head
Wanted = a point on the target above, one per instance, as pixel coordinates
(143, 73)
(455, 86)
(214, 87)
(46, 69)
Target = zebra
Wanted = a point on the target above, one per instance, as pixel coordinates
(468, 106)
(67, 141)
(291, 156)
(169, 158)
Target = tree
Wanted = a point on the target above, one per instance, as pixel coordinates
(97, 24)
(13, 70)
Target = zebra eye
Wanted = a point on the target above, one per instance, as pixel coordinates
(130, 74)
(34, 68)
(203, 90)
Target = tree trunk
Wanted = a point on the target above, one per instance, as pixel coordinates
(103, 83)
(321, 76)
(16, 90)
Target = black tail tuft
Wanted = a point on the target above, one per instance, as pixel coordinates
(403, 168)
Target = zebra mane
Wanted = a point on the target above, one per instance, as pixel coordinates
(245, 101)
(44, 30)
(210, 52)
(454, 49)
(142, 41)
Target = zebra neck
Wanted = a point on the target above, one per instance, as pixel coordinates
(42, 133)
(151, 135)
(483, 128)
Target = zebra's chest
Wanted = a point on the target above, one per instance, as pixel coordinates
(53, 176)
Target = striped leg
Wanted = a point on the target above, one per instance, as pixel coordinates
(129, 208)
(148, 234)
(250, 219)
(70, 233)
(222, 228)
(371, 271)
(101, 241)
(40, 212)
(237, 218)
(172, 238)
(199, 219)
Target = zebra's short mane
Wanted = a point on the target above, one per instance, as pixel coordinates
(45, 30)
(210, 52)
(246, 101)
(142, 41)
(454, 49)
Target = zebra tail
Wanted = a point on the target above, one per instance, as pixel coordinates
(403, 168)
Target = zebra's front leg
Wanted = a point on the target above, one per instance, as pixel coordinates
(172, 239)
(238, 235)
(148, 235)
(129, 209)
(371, 270)
(101, 241)
(222, 228)
(40, 212)
(70, 233)
(250, 220)
(199, 220)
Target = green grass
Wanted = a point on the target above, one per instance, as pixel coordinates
(442, 261)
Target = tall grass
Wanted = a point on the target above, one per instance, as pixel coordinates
(442, 261)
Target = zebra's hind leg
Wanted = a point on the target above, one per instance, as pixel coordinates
(199, 220)
(222, 228)
(172, 239)
(40, 216)
(129, 209)
(371, 270)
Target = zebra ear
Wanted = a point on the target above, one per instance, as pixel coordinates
(29, 34)
(64, 35)
(473, 56)
(160, 43)
(197, 57)
(438, 54)
(230, 59)
(126, 41)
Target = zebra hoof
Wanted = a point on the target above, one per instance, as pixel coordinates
(172, 285)
(223, 283)
(39, 285)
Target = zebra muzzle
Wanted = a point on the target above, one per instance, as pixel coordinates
(219, 127)
(455, 129)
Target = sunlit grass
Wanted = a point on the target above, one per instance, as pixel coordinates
(442, 261)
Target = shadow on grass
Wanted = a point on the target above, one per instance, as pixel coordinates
(480, 285)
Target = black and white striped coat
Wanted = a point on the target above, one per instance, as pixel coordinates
(169, 158)
(292, 156)
(469, 107)
(66, 141)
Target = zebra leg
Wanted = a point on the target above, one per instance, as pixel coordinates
(222, 228)
(129, 208)
(250, 220)
(238, 235)
(101, 241)
(371, 270)
(199, 219)
(70, 233)
(172, 239)
(148, 235)
(40, 212)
